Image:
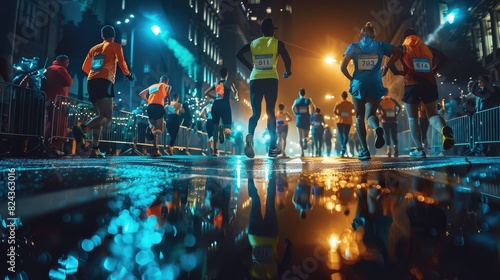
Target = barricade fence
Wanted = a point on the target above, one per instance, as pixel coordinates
(125, 130)
(22, 112)
(468, 131)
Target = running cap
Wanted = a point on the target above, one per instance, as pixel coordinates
(408, 32)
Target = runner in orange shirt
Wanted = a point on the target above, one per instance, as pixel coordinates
(156, 111)
(345, 111)
(100, 66)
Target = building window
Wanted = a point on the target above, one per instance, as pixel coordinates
(253, 1)
(476, 40)
(488, 36)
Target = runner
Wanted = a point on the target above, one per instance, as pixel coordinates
(389, 110)
(282, 119)
(344, 110)
(302, 108)
(156, 111)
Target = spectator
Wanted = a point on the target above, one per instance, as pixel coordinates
(489, 97)
(318, 122)
(389, 110)
(56, 120)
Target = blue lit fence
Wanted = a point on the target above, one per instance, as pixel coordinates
(126, 128)
(481, 128)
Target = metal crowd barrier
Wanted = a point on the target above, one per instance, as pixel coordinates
(22, 112)
(487, 129)
(126, 128)
(481, 128)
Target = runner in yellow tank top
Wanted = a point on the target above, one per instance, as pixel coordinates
(264, 81)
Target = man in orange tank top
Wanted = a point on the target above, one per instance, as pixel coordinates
(100, 66)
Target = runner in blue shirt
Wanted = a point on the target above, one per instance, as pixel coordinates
(366, 85)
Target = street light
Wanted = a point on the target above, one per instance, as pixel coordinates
(156, 29)
(131, 62)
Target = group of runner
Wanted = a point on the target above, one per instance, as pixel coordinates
(419, 61)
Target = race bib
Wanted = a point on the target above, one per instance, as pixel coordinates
(390, 113)
(367, 61)
(153, 89)
(421, 65)
(280, 122)
(302, 109)
(97, 62)
(263, 61)
(263, 253)
(345, 114)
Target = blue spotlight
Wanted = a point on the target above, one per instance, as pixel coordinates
(156, 29)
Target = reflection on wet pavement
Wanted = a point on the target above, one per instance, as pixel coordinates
(252, 219)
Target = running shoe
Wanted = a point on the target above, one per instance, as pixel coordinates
(221, 134)
(447, 140)
(249, 152)
(379, 138)
(342, 153)
(417, 153)
(304, 143)
(215, 153)
(96, 153)
(171, 150)
(156, 153)
(79, 135)
(364, 155)
(396, 151)
(274, 152)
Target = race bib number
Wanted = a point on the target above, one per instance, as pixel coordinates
(345, 114)
(421, 65)
(367, 61)
(97, 62)
(154, 89)
(263, 253)
(390, 113)
(302, 109)
(280, 122)
(263, 61)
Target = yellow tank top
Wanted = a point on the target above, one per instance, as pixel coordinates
(265, 57)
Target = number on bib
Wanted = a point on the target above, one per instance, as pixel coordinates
(345, 114)
(390, 113)
(263, 61)
(154, 89)
(302, 109)
(421, 65)
(367, 61)
(262, 253)
(97, 62)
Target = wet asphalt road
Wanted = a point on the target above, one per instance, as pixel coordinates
(186, 217)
